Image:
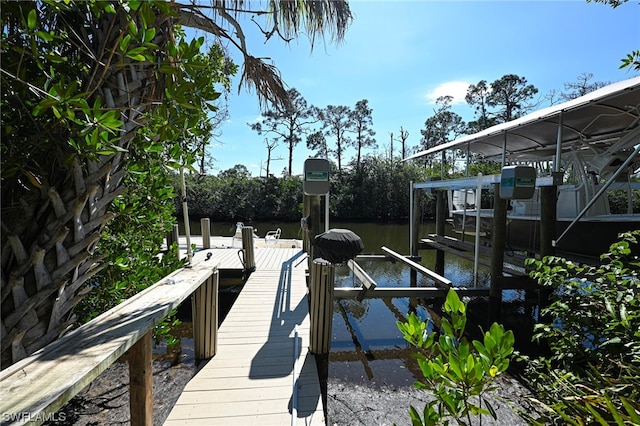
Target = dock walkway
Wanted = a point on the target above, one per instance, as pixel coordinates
(255, 376)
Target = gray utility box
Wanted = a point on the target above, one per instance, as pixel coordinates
(517, 182)
(316, 176)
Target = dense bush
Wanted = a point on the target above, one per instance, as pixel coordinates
(457, 372)
(592, 328)
(618, 201)
(377, 190)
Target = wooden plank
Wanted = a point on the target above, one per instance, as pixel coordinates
(516, 259)
(44, 382)
(250, 379)
(439, 279)
(470, 257)
(426, 292)
(266, 419)
(367, 282)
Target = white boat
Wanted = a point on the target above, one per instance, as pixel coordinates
(586, 147)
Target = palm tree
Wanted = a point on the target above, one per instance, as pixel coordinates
(82, 82)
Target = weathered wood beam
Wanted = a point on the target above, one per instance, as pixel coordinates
(368, 283)
(439, 279)
(424, 292)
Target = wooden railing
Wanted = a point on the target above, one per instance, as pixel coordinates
(35, 388)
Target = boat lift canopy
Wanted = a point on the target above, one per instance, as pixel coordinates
(602, 126)
(594, 121)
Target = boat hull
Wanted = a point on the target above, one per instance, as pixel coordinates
(587, 237)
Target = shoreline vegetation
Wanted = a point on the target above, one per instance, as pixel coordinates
(377, 191)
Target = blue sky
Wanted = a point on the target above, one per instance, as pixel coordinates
(401, 55)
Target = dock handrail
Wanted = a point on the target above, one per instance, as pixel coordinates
(35, 388)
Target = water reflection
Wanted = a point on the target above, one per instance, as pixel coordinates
(366, 346)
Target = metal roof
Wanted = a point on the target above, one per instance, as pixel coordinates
(599, 118)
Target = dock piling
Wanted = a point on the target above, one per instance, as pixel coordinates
(206, 232)
(499, 236)
(204, 304)
(141, 381)
(247, 247)
(321, 309)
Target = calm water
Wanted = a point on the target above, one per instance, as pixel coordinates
(366, 346)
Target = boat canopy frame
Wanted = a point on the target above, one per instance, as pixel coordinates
(594, 121)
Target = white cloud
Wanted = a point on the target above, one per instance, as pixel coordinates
(457, 89)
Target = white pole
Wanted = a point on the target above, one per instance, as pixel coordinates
(185, 215)
(411, 201)
(476, 255)
(326, 212)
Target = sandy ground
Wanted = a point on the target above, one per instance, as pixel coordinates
(106, 400)
(357, 405)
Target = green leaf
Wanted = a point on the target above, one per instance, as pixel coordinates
(633, 413)
(149, 35)
(124, 43)
(32, 19)
(415, 417)
(44, 35)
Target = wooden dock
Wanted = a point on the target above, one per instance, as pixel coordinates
(256, 376)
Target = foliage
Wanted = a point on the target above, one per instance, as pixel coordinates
(132, 241)
(581, 86)
(288, 123)
(379, 190)
(337, 122)
(455, 370)
(477, 96)
(593, 332)
(362, 120)
(511, 95)
(619, 201)
(234, 195)
(86, 84)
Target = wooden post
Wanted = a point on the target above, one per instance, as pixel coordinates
(173, 237)
(440, 221)
(306, 213)
(141, 381)
(311, 209)
(415, 236)
(247, 246)
(499, 236)
(204, 311)
(321, 306)
(548, 213)
(548, 218)
(206, 232)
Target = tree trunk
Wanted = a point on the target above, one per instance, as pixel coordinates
(49, 239)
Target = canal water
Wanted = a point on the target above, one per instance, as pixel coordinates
(367, 348)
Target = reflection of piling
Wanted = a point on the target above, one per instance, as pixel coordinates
(247, 248)
(321, 309)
